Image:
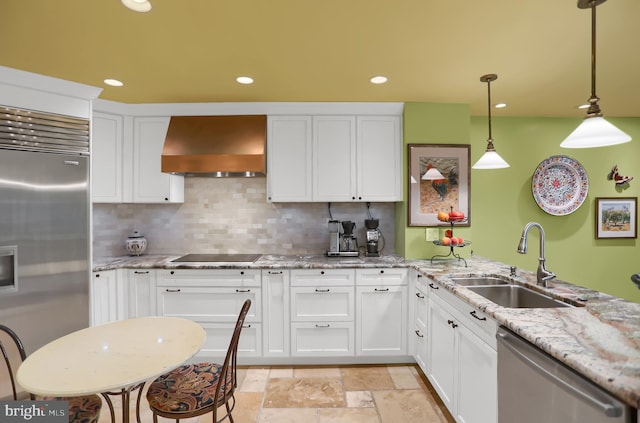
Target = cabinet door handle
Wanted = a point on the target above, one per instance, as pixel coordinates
(419, 295)
(432, 286)
(452, 323)
(242, 272)
(473, 313)
(381, 290)
(141, 273)
(419, 275)
(172, 290)
(419, 334)
(322, 272)
(322, 290)
(322, 326)
(382, 271)
(243, 290)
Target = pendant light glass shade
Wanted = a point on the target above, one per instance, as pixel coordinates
(490, 159)
(595, 132)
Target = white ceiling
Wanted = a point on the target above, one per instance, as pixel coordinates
(298, 50)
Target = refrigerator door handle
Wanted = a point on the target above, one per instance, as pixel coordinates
(610, 410)
(72, 162)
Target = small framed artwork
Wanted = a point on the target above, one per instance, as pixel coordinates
(439, 176)
(616, 217)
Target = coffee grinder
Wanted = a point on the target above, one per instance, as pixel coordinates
(373, 237)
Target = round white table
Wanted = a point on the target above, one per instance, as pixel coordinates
(111, 359)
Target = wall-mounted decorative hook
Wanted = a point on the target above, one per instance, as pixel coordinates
(617, 178)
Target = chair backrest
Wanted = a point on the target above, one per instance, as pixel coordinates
(11, 345)
(230, 362)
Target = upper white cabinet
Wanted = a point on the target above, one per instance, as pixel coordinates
(335, 158)
(150, 185)
(106, 153)
(288, 158)
(126, 154)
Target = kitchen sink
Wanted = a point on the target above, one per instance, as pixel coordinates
(514, 296)
(478, 280)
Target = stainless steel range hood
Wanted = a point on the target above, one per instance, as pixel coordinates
(216, 146)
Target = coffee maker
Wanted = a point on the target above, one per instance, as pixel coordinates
(373, 237)
(342, 244)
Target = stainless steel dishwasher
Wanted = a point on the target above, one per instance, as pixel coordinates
(534, 387)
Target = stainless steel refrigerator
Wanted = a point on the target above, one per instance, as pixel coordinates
(44, 225)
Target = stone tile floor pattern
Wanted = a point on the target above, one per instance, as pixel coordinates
(349, 394)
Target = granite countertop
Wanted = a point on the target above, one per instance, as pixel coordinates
(599, 337)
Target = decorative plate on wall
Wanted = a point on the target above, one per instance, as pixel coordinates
(560, 185)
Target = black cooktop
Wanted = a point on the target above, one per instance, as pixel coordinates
(217, 258)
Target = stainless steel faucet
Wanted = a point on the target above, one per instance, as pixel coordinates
(543, 275)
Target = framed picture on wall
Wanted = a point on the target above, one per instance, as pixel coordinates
(439, 181)
(616, 217)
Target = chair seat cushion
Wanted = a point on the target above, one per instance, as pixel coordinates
(83, 409)
(188, 388)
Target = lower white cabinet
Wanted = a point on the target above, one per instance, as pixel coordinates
(275, 313)
(141, 287)
(381, 312)
(214, 298)
(462, 357)
(419, 331)
(107, 297)
(322, 312)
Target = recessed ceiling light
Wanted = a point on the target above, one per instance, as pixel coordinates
(378, 79)
(244, 80)
(113, 82)
(137, 5)
(500, 105)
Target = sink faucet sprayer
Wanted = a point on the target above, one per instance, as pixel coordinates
(543, 275)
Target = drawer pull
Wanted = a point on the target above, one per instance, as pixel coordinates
(322, 272)
(246, 326)
(473, 313)
(419, 334)
(419, 295)
(275, 273)
(322, 326)
(382, 271)
(172, 290)
(452, 323)
(242, 272)
(243, 290)
(419, 275)
(141, 273)
(381, 290)
(432, 286)
(322, 290)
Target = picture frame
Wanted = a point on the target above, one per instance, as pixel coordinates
(616, 217)
(428, 197)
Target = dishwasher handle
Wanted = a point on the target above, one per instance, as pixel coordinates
(610, 410)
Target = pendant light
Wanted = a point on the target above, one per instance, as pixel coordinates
(594, 131)
(490, 159)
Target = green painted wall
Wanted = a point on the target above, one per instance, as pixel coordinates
(502, 202)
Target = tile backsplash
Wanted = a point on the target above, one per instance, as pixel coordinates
(231, 215)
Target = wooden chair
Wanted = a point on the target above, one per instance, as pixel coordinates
(195, 389)
(83, 409)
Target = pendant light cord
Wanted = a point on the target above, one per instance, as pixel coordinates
(489, 107)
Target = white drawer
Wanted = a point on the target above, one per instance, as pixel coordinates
(219, 336)
(322, 277)
(381, 276)
(322, 339)
(324, 303)
(209, 277)
(208, 304)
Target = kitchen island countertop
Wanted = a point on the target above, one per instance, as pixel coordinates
(599, 338)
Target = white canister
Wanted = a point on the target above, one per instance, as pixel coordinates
(136, 244)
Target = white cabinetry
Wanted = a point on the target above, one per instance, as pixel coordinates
(419, 332)
(141, 286)
(322, 312)
(275, 313)
(289, 158)
(108, 297)
(106, 153)
(334, 158)
(214, 298)
(462, 363)
(381, 311)
(150, 185)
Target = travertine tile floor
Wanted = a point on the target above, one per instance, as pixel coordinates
(349, 394)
